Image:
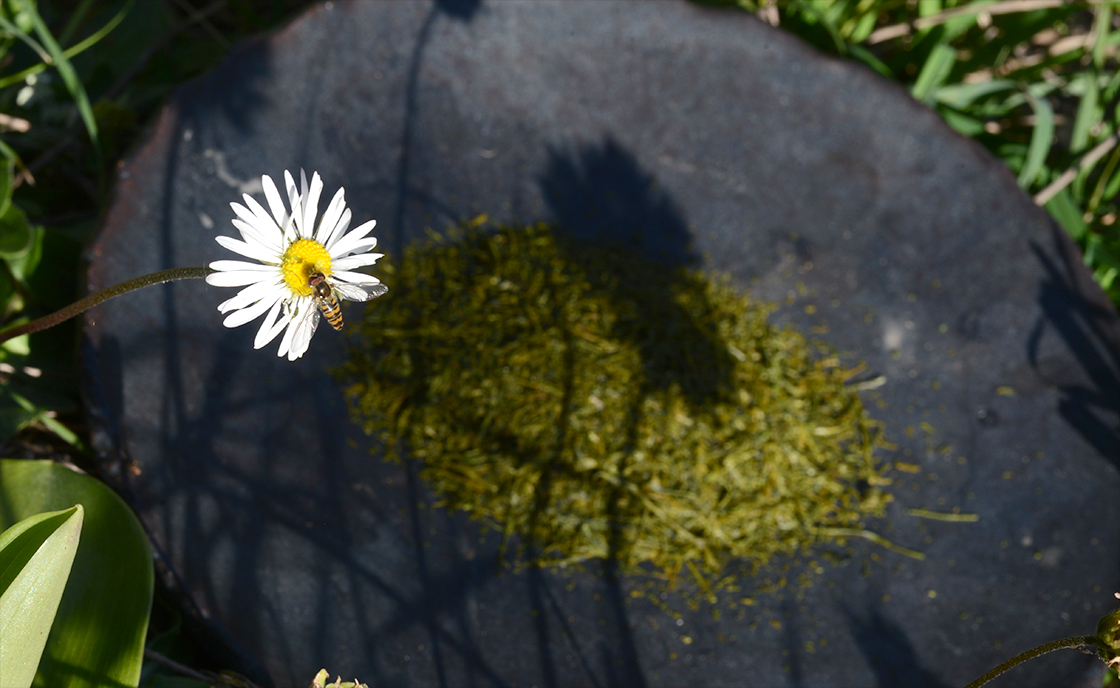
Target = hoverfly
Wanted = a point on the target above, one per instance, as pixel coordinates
(325, 298)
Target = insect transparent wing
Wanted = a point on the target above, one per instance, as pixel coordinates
(359, 292)
(305, 326)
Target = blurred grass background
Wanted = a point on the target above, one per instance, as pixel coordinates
(1034, 81)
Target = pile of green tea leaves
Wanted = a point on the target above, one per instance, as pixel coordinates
(596, 405)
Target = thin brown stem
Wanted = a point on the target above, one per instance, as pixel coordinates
(1076, 642)
(104, 295)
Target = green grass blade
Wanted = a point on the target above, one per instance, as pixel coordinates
(1102, 26)
(66, 71)
(77, 16)
(1089, 112)
(822, 16)
(962, 96)
(1098, 255)
(1106, 181)
(76, 49)
(15, 31)
(867, 57)
(1065, 210)
(1110, 179)
(934, 72)
(962, 123)
(1041, 138)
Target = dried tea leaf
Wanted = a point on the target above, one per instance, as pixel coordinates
(598, 405)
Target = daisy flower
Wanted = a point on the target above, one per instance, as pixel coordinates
(300, 270)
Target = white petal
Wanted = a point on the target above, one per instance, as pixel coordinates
(363, 229)
(271, 326)
(362, 246)
(275, 202)
(244, 315)
(295, 199)
(354, 277)
(261, 217)
(339, 229)
(311, 204)
(242, 265)
(255, 214)
(330, 218)
(247, 249)
(234, 278)
(359, 292)
(245, 215)
(356, 261)
(264, 289)
(253, 235)
(355, 241)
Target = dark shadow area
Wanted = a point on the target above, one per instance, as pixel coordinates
(888, 652)
(214, 649)
(458, 10)
(462, 10)
(104, 404)
(1087, 327)
(625, 670)
(792, 641)
(600, 194)
(186, 437)
(603, 201)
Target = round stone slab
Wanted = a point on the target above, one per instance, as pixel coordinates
(708, 139)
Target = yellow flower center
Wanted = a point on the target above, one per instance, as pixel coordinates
(300, 261)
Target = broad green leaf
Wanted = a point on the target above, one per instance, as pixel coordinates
(16, 236)
(7, 170)
(934, 72)
(7, 291)
(36, 555)
(21, 345)
(98, 635)
(1041, 137)
(23, 264)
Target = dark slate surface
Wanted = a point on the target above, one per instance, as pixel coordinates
(717, 141)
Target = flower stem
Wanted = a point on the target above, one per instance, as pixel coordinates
(1075, 642)
(104, 295)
